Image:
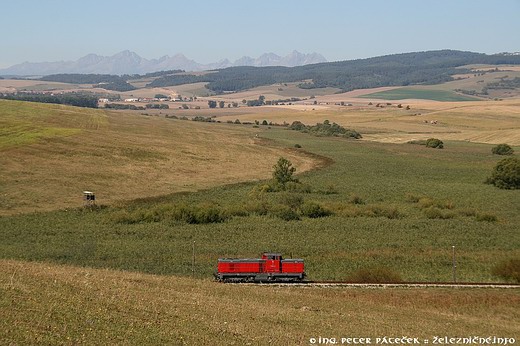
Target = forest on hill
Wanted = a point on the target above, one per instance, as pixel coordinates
(430, 67)
(105, 81)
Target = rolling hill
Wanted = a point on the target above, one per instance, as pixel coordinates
(51, 153)
(430, 67)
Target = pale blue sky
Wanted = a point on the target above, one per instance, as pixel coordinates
(207, 31)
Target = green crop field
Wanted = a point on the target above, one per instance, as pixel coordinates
(416, 93)
(399, 206)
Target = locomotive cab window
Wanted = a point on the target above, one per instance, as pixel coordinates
(272, 256)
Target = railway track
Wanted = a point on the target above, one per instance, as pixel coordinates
(332, 284)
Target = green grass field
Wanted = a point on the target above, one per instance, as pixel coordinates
(385, 176)
(416, 93)
(24, 123)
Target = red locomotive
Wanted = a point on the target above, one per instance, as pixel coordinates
(270, 268)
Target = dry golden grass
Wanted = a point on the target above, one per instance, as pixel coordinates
(123, 156)
(483, 121)
(51, 304)
(186, 90)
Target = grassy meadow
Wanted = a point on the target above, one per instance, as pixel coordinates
(52, 304)
(400, 206)
(50, 154)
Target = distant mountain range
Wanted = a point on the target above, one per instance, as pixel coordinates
(127, 62)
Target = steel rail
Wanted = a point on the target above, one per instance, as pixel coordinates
(331, 284)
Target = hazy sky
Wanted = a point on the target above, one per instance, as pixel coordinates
(207, 31)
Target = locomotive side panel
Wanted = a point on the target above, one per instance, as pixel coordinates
(240, 266)
(293, 266)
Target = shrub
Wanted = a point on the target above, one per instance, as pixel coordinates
(436, 213)
(486, 217)
(382, 211)
(375, 275)
(355, 199)
(446, 204)
(286, 213)
(297, 126)
(298, 146)
(265, 188)
(413, 198)
(291, 200)
(295, 186)
(196, 214)
(508, 270)
(207, 214)
(258, 207)
(325, 129)
(502, 149)
(425, 202)
(506, 174)
(314, 210)
(467, 212)
(434, 143)
(235, 210)
(331, 190)
(182, 213)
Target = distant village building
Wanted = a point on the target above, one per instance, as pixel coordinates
(131, 100)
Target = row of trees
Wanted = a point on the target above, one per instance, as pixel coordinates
(72, 99)
(105, 81)
(325, 129)
(221, 104)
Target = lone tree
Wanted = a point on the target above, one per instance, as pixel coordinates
(212, 104)
(434, 143)
(283, 171)
(506, 174)
(502, 149)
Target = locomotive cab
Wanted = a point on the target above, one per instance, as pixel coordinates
(273, 262)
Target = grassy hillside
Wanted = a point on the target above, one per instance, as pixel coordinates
(417, 204)
(49, 154)
(48, 304)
